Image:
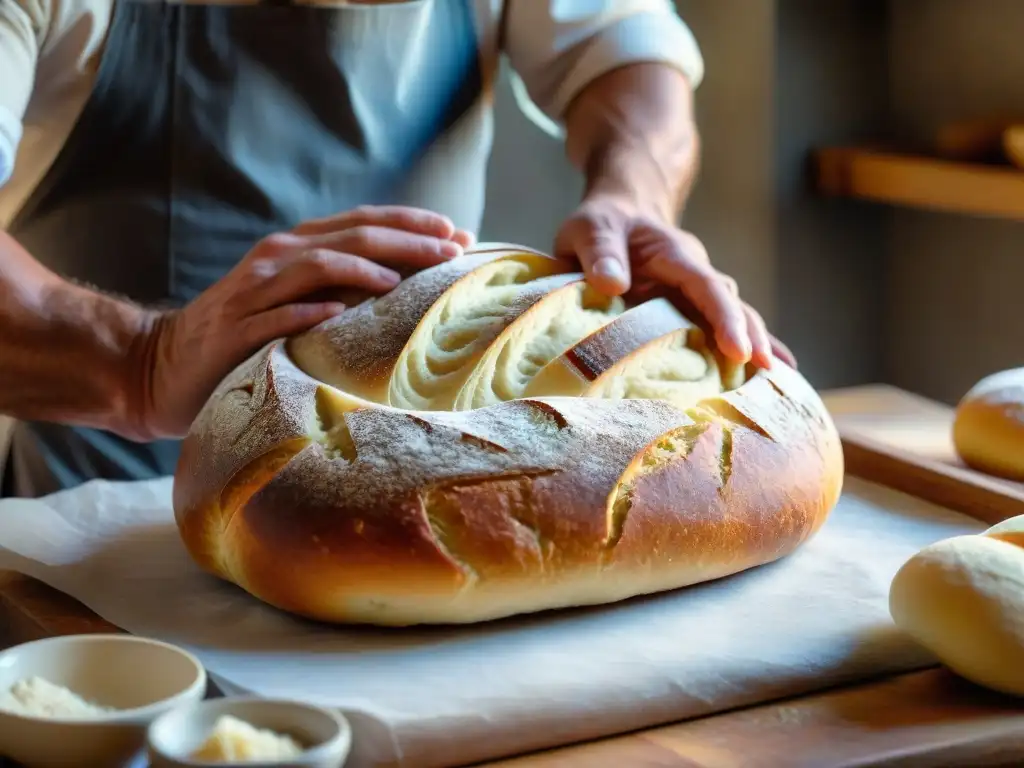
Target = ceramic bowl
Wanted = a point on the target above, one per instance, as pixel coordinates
(326, 735)
(138, 679)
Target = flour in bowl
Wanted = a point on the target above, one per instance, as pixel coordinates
(38, 697)
(236, 740)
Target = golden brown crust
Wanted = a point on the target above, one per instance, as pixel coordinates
(373, 514)
(962, 599)
(734, 515)
(1013, 145)
(988, 427)
(358, 349)
(474, 515)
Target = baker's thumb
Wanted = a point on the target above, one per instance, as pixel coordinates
(601, 248)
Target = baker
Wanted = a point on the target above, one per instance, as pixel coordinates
(184, 182)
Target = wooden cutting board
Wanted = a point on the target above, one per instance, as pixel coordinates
(904, 441)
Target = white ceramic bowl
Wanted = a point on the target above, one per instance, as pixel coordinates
(326, 734)
(139, 678)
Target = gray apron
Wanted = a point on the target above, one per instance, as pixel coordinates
(211, 126)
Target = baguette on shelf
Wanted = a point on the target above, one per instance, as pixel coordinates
(985, 140)
(977, 140)
(494, 438)
(1013, 145)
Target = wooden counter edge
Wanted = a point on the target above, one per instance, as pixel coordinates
(33, 610)
(937, 475)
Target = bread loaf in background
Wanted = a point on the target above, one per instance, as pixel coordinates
(309, 481)
(988, 425)
(993, 139)
(963, 599)
(1013, 144)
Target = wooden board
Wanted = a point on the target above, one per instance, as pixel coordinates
(903, 441)
(921, 182)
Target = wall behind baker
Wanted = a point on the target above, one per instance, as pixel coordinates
(956, 282)
(782, 76)
(531, 186)
(830, 89)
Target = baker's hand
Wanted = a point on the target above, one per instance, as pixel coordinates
(283, 286)
(622, 250)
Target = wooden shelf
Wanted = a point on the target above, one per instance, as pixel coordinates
(920, 182)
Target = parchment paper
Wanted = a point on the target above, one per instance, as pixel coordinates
(427, 698)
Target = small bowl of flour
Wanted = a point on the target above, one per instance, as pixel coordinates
(89, 699)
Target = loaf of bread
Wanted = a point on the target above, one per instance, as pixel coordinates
(963, 599)
(994, 140)
(988, 426)
(493, 438)
(1013, 144)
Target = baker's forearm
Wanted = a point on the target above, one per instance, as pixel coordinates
(65, 351)
(632, 132)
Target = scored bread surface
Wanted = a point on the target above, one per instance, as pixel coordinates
(550, 327)
(462, 324)
(573, 372)
(397, 464)
(663, 369)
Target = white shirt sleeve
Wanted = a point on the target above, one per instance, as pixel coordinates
(557, 47)
(21, 24)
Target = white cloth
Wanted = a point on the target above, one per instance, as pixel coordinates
(434, 697)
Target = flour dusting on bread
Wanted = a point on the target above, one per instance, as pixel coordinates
(493, 438)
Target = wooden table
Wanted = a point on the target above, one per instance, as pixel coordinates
(924, 719)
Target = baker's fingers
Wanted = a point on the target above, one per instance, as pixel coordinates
(281, 322)
(597, 239)
(315, 271)
(465, 238)
(395, 247)
(760, 340)
(730, 283)
(417, 220)
(679, 260)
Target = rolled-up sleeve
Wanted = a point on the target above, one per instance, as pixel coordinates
(557, 47)
(20, 31)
